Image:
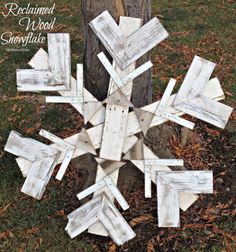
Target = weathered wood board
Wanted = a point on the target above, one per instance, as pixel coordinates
(57, 75)
(43, 159)
(191, 100)
(79, 98)
(116, 115)
(169, 184)
(105, 182)
(67, 146)
(161, 109)
(40, 61)
(126, 49)
(100, 210)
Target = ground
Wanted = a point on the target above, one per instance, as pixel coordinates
(205, 28)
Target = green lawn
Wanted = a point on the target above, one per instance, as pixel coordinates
(205, 28)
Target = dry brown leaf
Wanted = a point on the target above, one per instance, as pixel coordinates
(6, 234)
(150, 246)
(112, 247)
(31, 231)
(4, 208)
(140, 219)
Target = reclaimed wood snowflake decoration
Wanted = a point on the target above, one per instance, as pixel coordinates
(114, 127)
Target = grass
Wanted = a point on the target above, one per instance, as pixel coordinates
(205, 28)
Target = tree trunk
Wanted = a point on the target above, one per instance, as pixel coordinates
(96, 77)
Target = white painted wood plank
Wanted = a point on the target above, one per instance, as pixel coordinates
(55, 139)
(127, 49)
(65, 163)
(59, 60)
(119, 197)
(106, 63)
(165, 98)
(60, 99)
(118, 229)
(189, 181)
(33, 80)
(100, 210)
(196, 78)
(91, 189)
(38, 176)
(167, 162)
(147, 182)
(28, 148)
(178, 120)
(167, 205)
(80, 219)
(138, 71)
(80, 82)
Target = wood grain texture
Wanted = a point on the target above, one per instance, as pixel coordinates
(100, 210)
(169, 184)
(191, 100)
(59, 60)
(40, 61)
(42, 159)
(67, 146)
(116, 115)
(57, 74)
(127, 49)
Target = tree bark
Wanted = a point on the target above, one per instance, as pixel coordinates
(96, 77)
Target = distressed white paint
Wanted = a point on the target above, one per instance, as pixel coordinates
(100, 210)
(42, 159)
(59, 60)
(161, 109)
(126, 49)
(167, 162)
(107, 181)
(116, 116)
(169, 184)
(68, 147)
(191, 100)
(57, 74)
(40, 61)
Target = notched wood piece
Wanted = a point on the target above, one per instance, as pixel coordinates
(136, 152)
(109, 166)
(90, 109)
(144, 119)
(118, 98)
(84, 142)
(105, 182)
(100, 210)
